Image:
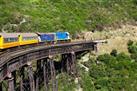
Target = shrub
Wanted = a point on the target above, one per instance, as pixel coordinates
(114, 52)
(107, 59)
(132, 49)
(123, 57)
(130, 42)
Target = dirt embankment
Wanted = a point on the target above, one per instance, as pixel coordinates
(117, 38)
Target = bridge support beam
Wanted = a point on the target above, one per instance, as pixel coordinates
(96, 48)
(21, 84)
(31, 78)
(53, 75)
(37, 84)
(64, 63)
(39, 74)
(71, 63)
(1, 87)
(46, 74)
(22, 76)
(14, 76)
(11, 84)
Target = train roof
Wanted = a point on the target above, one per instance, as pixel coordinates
(27, 34)
(12, 35)
(9, 35)
(46, 33)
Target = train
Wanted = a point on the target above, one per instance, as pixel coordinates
(11, 40)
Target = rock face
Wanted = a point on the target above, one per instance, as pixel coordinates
(117, 38)
(78, 87)
(85, 58)
(84, 35)
(87, 35)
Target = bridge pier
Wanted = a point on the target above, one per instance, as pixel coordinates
(46, 74)
(22, 76)
(1, 87)
(14, 76)
(31, 78)
(73, 62)
(53, 75)
(11, 84)
(64, 62)
(37, 84)
(96, 48)
(21, 84)
(70, 63)
(39, 74)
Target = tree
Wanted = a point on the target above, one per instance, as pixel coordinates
(130, 42)
(123, 57)
(114, 52)
(132, 49)
(107, 59)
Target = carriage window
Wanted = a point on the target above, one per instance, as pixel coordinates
(7, 40)
(30, 38)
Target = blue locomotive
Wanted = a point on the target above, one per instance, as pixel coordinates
(62, 36)
(54, 37)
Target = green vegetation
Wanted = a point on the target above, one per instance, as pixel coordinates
(112, 72)
(109, 72)
(66, 82)
(64, 15)
(133, 50)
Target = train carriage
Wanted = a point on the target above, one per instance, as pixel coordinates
(8, 40)
(28, 38)
(47, 38)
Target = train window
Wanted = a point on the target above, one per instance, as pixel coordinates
(7, 40)
(30, 38)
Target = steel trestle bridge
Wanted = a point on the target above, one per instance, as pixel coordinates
(19, 63)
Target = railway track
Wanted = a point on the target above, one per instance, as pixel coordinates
(6, 54)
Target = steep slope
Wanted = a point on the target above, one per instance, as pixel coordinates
(64, 15)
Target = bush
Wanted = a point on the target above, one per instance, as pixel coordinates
(132, 49)
(107, 59)
(130, 43)
(114, 52)
(97, 71)
(134, 56)
(123, 57)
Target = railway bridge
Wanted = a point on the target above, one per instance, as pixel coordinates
(18, 74)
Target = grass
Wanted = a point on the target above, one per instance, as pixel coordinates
(65, 15)
(117, 38)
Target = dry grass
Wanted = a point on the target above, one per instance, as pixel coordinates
(117, 38)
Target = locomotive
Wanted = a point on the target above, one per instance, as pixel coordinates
(9, 40)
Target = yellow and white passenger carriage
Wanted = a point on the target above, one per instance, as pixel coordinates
(28, 38)
(8, 40)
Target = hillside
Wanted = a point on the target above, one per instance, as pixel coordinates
(116, 38)
(113, 20)
(65, 15)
